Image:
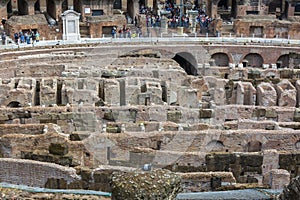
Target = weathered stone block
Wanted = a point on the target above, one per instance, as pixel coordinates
(174, 116)
(78, 136)
(54, 183)
(85, 173)
(251, 160)
(58, 149)
(271, 113)
(205, 113)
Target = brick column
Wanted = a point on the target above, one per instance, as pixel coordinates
(291, 11)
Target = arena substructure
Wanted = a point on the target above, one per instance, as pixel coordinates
(75, 114)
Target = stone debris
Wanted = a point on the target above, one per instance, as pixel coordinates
(291, 191)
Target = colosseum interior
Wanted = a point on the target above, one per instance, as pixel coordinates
(219, 115)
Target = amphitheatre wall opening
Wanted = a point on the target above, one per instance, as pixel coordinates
(254, 60)
(188, 62)
(221, 59)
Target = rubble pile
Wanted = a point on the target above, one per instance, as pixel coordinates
(157, 184)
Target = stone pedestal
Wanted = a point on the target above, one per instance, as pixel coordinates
(278, 178)
(180, 30)
(71, 25)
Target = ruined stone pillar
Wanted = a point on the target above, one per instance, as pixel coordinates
(43, 5)
(31, 6)
(270, 162)
(291, 11)
(3, 8)
(214, 9)
(71, 5)
(58, 11)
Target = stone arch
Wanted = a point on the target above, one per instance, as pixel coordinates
(215, 145)
(14, 104)
(253, 146)
(254, 60)
(188, 62)
(283, 61)
(22, 7)
(221, 59)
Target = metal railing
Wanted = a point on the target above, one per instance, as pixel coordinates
(161, 36)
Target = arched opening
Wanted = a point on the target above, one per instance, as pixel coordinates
(221, 59)
(253, 146)
(297, 9)
(51, 9)
(286, 10)
(275, 6)
(215, 145)
(283, 61)
(117, 4)
(297, 145)
(9, 9)
(224, 9)
(37, 8)
(64, 6)
(254, 60)
(130, 8)
(233, 9)
(22, 7)
(188, 62)
(77, 6)
(14, 104)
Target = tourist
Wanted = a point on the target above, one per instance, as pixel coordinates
(37, 36)
(128, 32)
(124, 31)
(113, 32)
(3, 37)
(22, 37)
(120, 33)
(32, 35)
(3, 21)
(16, 37)
(27, 37)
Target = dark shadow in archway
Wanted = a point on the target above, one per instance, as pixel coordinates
(188, 62)
(253, 146)
(14, 104)
(221, 59)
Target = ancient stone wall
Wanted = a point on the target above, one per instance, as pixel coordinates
(33, 173)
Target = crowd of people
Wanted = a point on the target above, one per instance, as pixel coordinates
(125, 32)
(176, 17)
(28, 37)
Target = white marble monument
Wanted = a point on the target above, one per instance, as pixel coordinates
(70, 25)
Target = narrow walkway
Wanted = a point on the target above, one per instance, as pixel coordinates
(248, 194)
